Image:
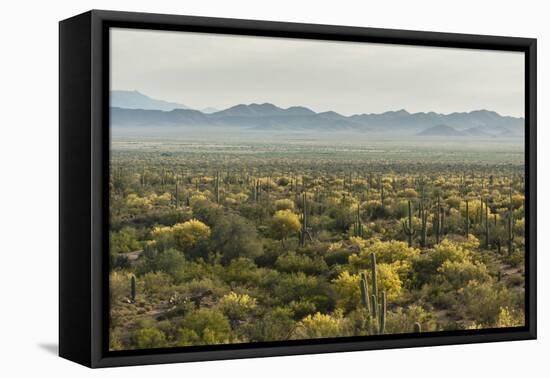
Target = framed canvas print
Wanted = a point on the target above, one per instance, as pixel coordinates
(234, 188)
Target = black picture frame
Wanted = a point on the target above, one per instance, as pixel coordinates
(84, 169)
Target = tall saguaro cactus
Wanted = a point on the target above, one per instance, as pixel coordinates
(510, 228)
(408, 229)
(424, 222)
(486, 223)
(257, 190)
(365, 300)
(358, 223)
(374, 274)
(133, 289)
(382, 314)
(217, 187)
(437, 222)
(304, 232)
(481, 210)
(176, 194)
(375, 305)
(467, 220)
(143, 176)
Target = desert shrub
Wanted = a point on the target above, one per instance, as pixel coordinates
(234, 236)
(271, 251)
(518, 200)
(425, 267)
(457, 274)
(137, 204)
(194, 269)
(342, 218)
(119, 286)
(199, 286)
(348, 291)
(276, 324)
(517, 258)
(320, 326)
(285, 224)
(147, 336)
(156, 283)
(510, 318)
(125, 240)
(237, 306)
(454, 202)
(482, 302)
(402, 320)
(118, 261)
(393, 252)
(300, 287)
(284, 204)
(388, 279)
(204, 327)
(242, 271)
(337, 257)
(183, 236)
(302, 308)
(292, 263)
(169, 261)
(283, 181)
(115, 339)
(376, 210)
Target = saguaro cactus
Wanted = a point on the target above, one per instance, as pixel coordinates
(497, 235)
(374, 275)
(437, 221)
(375, 305)
(143, 176)
(176, 196)
(481, 210)
(486, 223)
(217, 187)
(467, 221)
(304, 232)
(424, 223)
(358, 223)
(257, 190)
(510, 231)
(408, 229)
(133, 289)
(365, 292)
(382, 314)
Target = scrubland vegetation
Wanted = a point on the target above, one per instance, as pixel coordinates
(215, 245)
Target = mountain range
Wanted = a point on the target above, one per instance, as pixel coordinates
(137, 100)
(268, 117)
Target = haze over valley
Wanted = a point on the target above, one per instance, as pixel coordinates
(135, 114)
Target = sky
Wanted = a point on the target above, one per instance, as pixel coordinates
(211, 70)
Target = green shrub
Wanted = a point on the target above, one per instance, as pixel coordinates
(204, 327)
(320, 326)
(147, 338)
(292, 263)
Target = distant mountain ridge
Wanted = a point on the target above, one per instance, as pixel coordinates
(269, 117)
(137, 100)
(441, 131)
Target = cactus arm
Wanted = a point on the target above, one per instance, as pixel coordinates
(382, 321)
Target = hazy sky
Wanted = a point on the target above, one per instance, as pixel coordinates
(209, 70)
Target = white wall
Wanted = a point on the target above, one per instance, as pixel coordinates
(28, 211)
